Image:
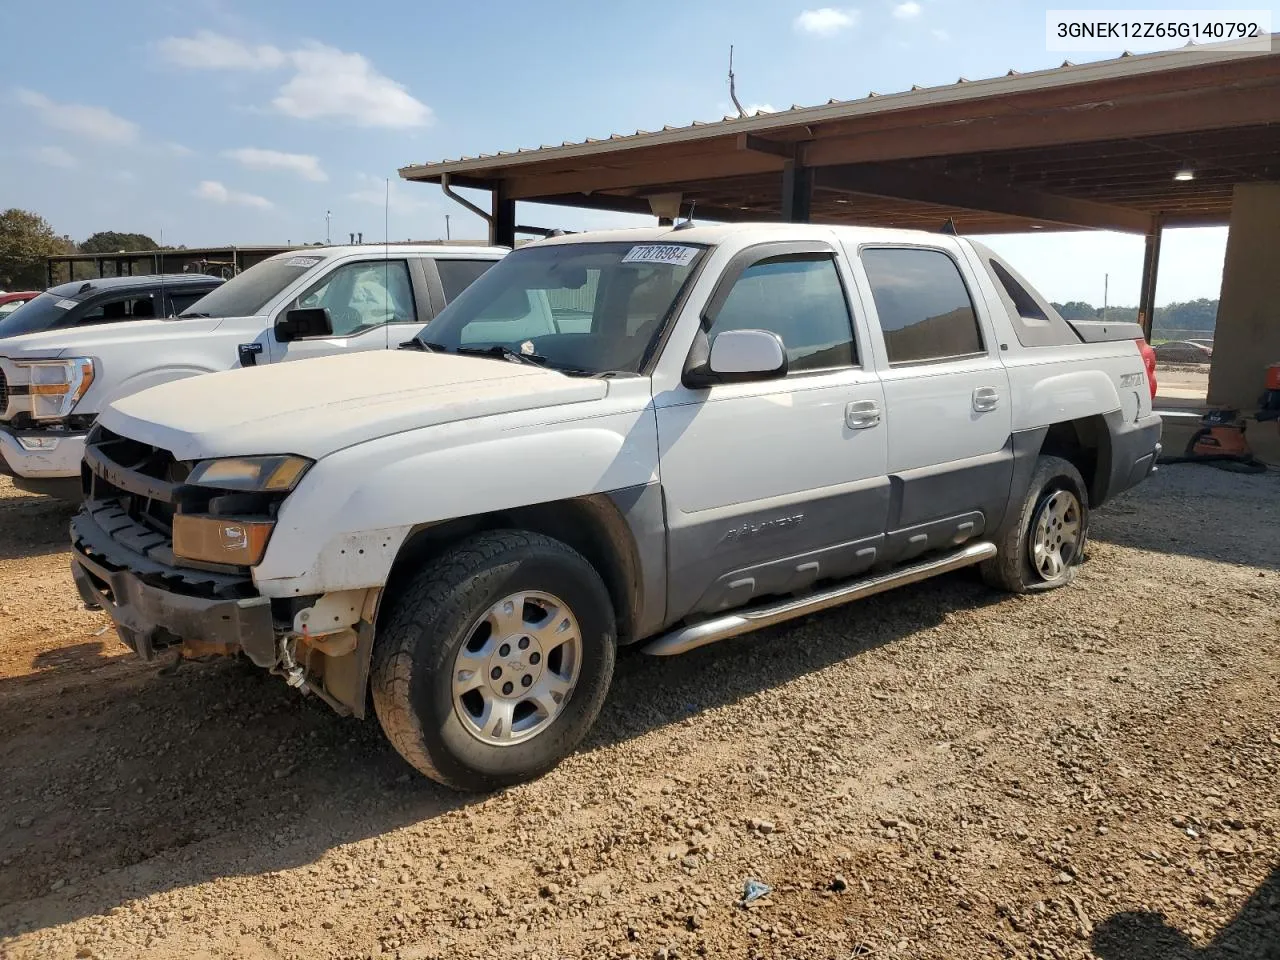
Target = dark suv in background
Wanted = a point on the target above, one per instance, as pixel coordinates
(108, 300)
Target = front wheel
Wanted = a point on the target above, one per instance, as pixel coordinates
(1042, 544)
(494, 661)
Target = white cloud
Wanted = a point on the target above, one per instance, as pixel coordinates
(303, 164)
(95, 123)
(54, 157)
(941, 36)
(754, 108)
(331, 83)
(327, 83)
(178, 150)
(825, 21)
(217, 193)
(908, 10)
(212, 51)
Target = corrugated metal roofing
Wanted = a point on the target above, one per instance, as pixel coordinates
(1013, 82)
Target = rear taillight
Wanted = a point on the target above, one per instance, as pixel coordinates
(1149, 360)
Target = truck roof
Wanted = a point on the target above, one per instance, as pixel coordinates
(712, 234)
(394, 250)
(79, 289)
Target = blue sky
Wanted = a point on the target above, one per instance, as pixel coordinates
(225, 121)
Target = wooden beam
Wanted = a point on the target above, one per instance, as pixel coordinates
(749, 141)
(1150, 271)
(657, 173)
(1187, 112)
(886, 181)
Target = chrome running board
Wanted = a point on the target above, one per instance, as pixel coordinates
(757, 618)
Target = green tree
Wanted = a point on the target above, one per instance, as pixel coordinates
(26, 239)
(108, 241)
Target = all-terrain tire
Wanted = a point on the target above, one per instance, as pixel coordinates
(1012, 569)
(428, 621)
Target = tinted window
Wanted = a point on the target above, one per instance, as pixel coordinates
(359, 296)
(457, 275)
(1023, 302)
(178, 302)
(801, 300)
(924, 307)
(119, 308)
(43, 313)
(10, 306)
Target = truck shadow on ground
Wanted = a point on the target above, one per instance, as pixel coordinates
(33, 527)
(1253, 934)
(131, 784)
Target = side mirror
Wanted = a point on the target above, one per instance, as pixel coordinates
(304, 322)
(740, 355)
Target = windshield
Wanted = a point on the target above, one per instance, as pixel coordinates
(580, 307)
(247, 293)
(43, 313)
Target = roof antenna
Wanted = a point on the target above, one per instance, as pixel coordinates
(733, 94)
(687, 223)
(949, 227)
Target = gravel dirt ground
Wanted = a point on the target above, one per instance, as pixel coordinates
(940, 772)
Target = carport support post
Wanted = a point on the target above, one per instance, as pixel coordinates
(1150, 272)
(797, 192)
(502, 228)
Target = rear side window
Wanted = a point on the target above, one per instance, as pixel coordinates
(799, 297)
(1023, 302)
(457, 275)
(925, 309)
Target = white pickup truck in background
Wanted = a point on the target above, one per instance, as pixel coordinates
(54, 383)
(716, 429)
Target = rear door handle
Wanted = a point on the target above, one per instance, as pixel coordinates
(861, 414)
(985, 398)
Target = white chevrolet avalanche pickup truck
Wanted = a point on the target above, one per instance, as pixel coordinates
(305, 303)
(664, 437)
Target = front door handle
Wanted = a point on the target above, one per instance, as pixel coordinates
(861, 414)
(985, 398)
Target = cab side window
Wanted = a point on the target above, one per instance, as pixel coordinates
(119, 308)
(801, 299)
(360, 296)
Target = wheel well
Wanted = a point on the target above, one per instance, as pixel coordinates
(1086, 445)
(592, 525)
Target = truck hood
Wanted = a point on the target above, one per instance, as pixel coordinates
(89, 341)
(315, 407)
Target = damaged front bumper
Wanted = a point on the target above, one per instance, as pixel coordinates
(156, 606)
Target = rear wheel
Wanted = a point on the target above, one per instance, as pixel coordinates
(1042, 544)
(493, 662)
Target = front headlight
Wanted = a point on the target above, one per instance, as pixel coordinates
(251, 474)
(58, 385)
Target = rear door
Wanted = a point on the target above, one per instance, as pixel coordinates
(365, 299)
(438, 280)
(947, 408)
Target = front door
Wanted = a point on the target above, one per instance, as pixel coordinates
(773, 485)
(364, 299)
(947, 399)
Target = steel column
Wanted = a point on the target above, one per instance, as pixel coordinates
(1150, 274)
(502, 228)
(797, 192)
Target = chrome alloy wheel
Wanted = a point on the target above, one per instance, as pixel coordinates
(517, 668)
(1057, 535)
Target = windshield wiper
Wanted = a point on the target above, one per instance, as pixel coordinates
(195, 315)
(499, 352)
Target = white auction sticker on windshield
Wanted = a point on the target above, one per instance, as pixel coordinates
(303, 261)
(66, 304)
(674, 254)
